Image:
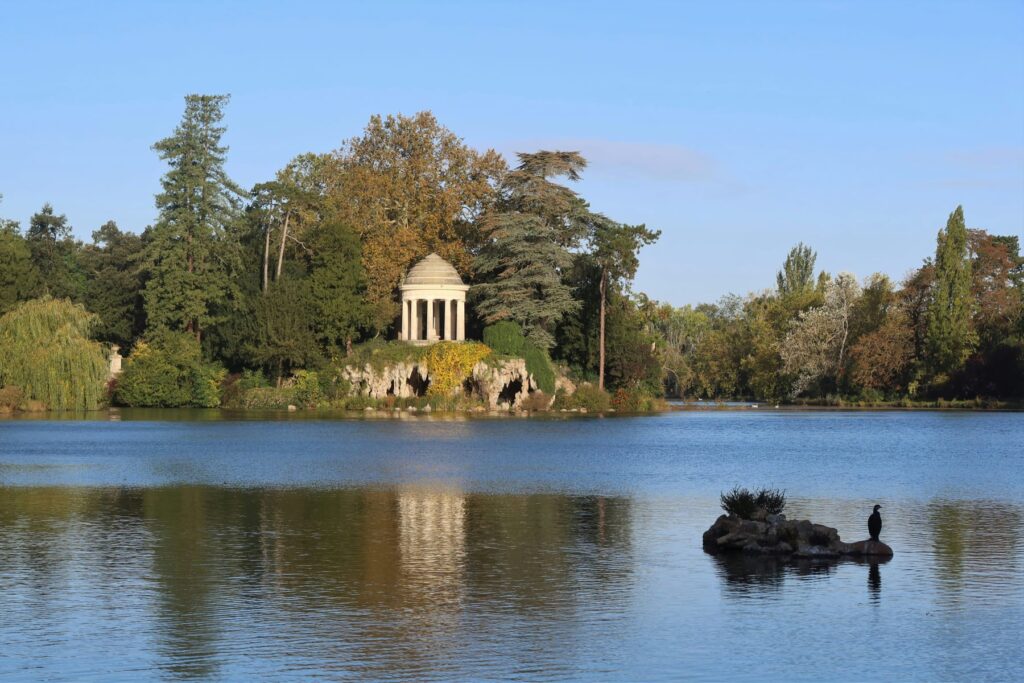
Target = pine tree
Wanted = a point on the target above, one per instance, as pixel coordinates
(192, 251)
(526, 260)
(950, 334)
(526, 250)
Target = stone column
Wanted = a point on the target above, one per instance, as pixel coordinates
(414, 327)
(430, 319)
(405, 319)
(460, 321)
(449, 314)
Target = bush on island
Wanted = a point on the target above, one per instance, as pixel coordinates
(586, 397)
(506, 339)
(746, 504)
(169, 372)
(451, 364)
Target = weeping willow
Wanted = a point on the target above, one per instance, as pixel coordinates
(45, 350)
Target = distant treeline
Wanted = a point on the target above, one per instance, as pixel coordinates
(289, 275)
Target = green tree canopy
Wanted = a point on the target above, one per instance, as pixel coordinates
(192, 253)
(46, 350)
(55, 254)
(113, 287)
(797, 274)
(951, 335)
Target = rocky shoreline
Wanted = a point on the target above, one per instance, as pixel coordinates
(777, 536)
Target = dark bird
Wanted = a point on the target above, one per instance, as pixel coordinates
(875, 523)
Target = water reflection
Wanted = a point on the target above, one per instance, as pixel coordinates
(874, 582)
(359, 581)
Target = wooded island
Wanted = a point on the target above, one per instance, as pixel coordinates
(282, 294)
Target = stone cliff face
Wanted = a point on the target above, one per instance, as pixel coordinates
(504, 384)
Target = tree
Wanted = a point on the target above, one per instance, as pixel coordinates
(525, 254)
(113, 283)
(192, 252)
(410, 187)
(285, 327)
(289, 205)
(815, 348)
(19, 279)
(46, 350)
(997, 284)
(881, 357)
(951, 336)
(614, 247)
(337, 286)
(525, 263)
(54, 253)
(168, 371)
(797, 274)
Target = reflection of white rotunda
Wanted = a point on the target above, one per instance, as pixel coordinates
(433, 302)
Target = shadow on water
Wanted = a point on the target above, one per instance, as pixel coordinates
(370, 583)
(745, 576)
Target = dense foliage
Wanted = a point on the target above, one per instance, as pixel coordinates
(47, 353)
(298, 276)
(506, 338)
(169, 372)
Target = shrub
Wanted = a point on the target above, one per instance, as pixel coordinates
(506, 339)
(633, 401)
(745, 504)
(739, 502)
(169, 373)
(267, 398)
(536, 402)
(772, 501)
(306, 388)
(11, 398)
(586, 396)
(451, 363)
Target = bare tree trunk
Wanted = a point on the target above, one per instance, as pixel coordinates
(266, 260)
(602, 286)
(280, 253)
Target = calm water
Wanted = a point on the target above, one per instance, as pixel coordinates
(197, 548)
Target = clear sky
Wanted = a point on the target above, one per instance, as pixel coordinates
(738, 128)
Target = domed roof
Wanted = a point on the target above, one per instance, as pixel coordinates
(432, 270)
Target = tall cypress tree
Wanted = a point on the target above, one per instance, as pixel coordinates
(951, 337)
(192, 250)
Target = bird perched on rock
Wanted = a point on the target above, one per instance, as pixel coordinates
(875, 523)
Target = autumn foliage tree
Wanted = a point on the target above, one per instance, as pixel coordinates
(409, 187)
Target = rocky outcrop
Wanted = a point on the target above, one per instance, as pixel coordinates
(506, 382)
(502, 384)
(776, 535)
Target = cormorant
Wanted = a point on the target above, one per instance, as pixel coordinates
(875, 524)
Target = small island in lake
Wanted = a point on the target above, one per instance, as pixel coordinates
(755, 525)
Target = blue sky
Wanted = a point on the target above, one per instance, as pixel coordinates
(737, 128)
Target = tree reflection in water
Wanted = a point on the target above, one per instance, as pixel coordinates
(361, 581)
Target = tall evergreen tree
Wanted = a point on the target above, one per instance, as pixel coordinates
(951, 336)
(192, 252)
(526, 250)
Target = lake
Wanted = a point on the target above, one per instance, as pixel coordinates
(205, 545)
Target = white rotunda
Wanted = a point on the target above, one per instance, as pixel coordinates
(433, 302)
